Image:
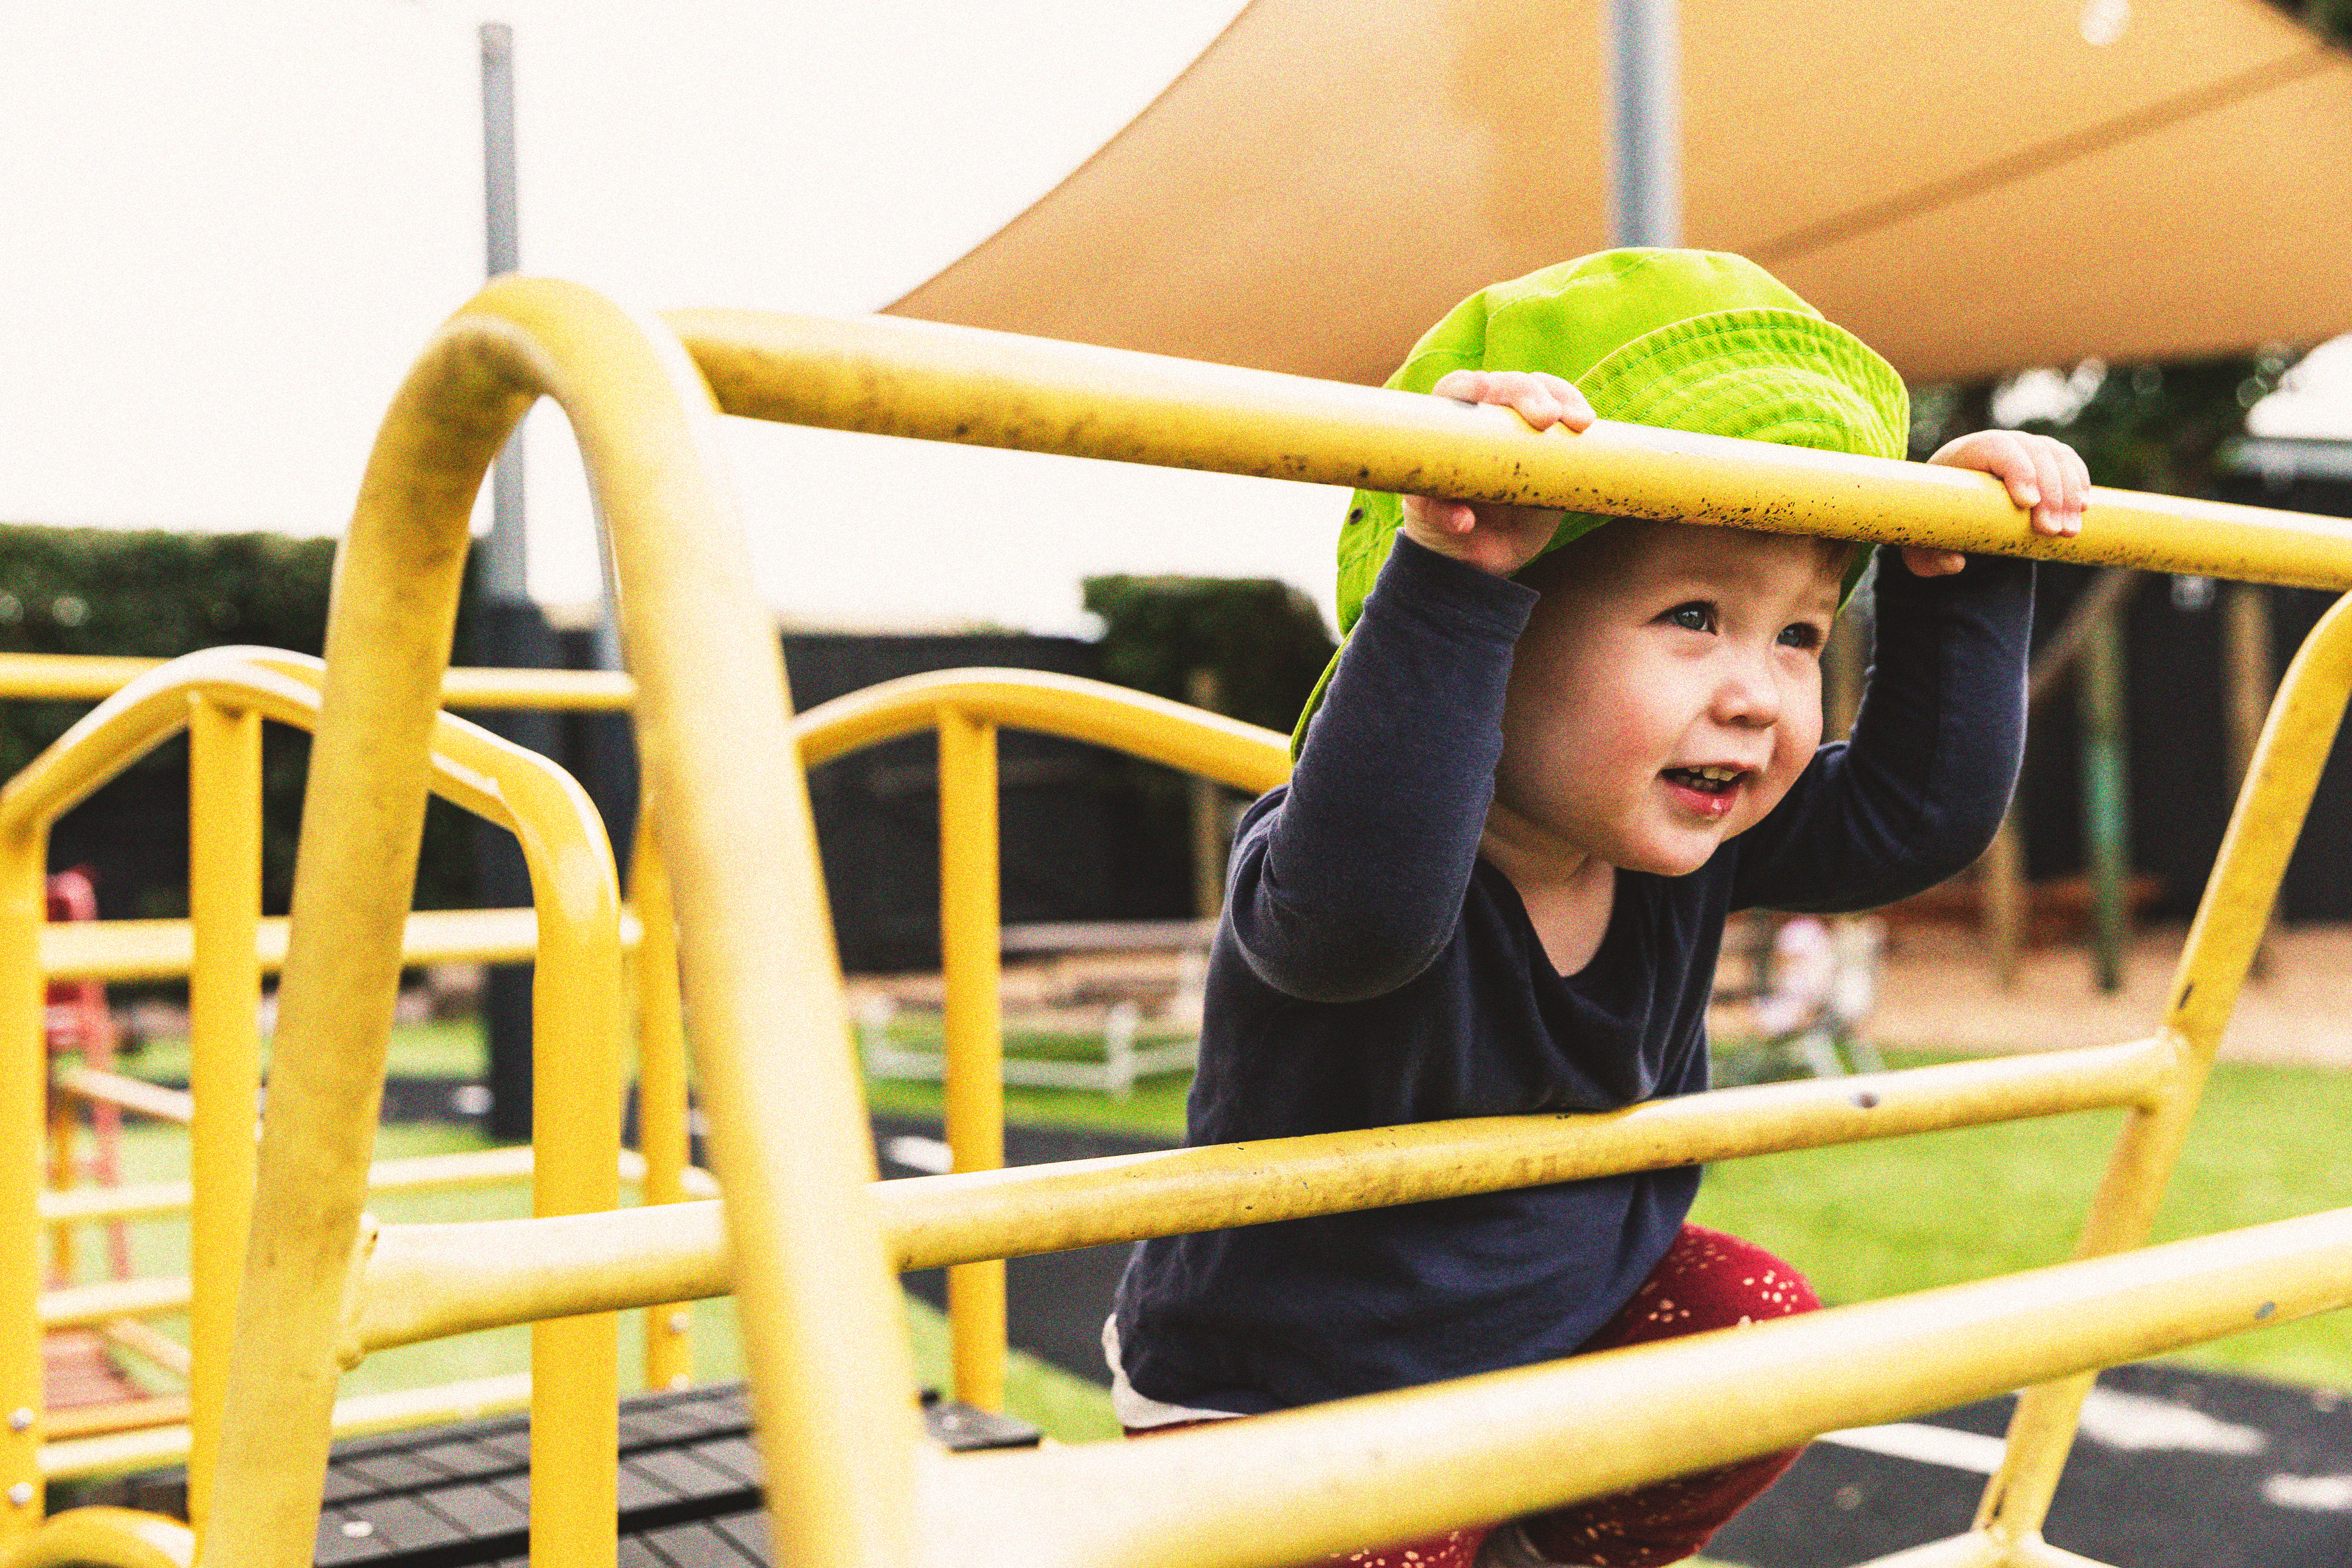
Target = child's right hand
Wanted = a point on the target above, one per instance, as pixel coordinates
(1496, 538)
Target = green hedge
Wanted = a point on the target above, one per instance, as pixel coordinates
(1263, 639)
(146, 592)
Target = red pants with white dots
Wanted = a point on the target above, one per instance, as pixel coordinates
(1707, 1280)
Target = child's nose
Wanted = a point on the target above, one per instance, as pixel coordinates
(1749, 694)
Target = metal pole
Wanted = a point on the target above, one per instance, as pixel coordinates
(970, 961)
(508, 629)
(225, 1056)
(1645, 83)
(504, 555)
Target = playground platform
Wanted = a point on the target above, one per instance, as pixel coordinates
(459, 1496)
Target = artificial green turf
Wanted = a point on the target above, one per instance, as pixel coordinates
(1155, 1108)
(452, 1048)
(1877, 1220)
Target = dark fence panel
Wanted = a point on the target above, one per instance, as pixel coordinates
(1080, 839)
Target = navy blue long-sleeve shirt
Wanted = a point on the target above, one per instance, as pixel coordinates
(1371, 970)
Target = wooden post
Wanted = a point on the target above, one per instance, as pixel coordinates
(1208, 810)
(2106, 798)
(2004, 900)
(1843, 662)
(2249, 678)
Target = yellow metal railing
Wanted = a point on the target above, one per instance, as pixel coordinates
(811, 1242)
(221, 696)
(120, 950)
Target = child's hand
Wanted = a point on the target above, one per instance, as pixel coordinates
(2043, 475)
(1493, 538)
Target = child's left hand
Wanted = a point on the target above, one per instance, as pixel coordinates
(2043, 475)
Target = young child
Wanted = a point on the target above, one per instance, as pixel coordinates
(1550, 759)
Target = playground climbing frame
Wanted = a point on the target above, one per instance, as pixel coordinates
(810, 1242)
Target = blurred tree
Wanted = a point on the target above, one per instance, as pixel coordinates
(2331, 19)
(1264, 640)
(2153, 427)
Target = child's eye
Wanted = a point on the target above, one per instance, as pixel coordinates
(1800, 633)
(1695, 617)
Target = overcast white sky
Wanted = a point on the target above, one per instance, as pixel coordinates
(225, 231)
(228, 229)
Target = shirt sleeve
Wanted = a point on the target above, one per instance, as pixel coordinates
(1918, 792)
(1349, 882)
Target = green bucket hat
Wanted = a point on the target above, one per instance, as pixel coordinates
(1689, 339)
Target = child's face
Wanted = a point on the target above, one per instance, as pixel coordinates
(1663, 658)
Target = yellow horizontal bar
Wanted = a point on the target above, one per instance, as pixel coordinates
(2031, 1552)
(1296, 1485)
(143, 1340)
(1974, 1549)
(355, 1417)
(917, 379)
(83, 676)
(420, 1173)
(156, 950)
(142, 1200)
(130, 1093)
(692, 1180)
(1085, 1203)
(427, 1281)
(87, 1306)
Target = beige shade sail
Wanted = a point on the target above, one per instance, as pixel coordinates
(1972, 188)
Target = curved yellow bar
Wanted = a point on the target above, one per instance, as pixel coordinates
(769, 1030)
(2236, 907)
(105, 1538)
(897, 377)
(1152, 728)
(96, 678)
(577, 1007)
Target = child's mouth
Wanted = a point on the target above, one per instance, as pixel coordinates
(1709, 791)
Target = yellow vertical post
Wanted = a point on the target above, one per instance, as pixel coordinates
(970, 946)
(24, 1084)
(65, 1130)
(575, 1104)
(663, 1135)
(2230, 922)
(225, 1054)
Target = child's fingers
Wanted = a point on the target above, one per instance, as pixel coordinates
(1932, 562)
(2009, 457)
(1462, 385)
(1441, 516)
(1574, 411)
(1539, 399)
(1526, 395)
(2050, 513)
(2078, 486)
